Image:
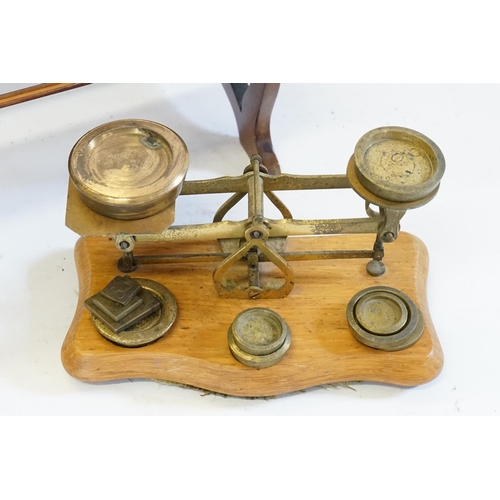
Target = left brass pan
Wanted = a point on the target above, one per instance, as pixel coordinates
(129, 169)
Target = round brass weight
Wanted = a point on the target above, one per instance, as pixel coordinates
(259, 337)
(129, 169)
(384, 318)
(381, 313)
(149, 329)
(394, 166)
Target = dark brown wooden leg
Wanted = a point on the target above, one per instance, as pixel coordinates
(253, 105)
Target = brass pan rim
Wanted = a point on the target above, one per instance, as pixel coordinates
(377, 200)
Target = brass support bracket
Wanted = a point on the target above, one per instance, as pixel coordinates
(259, 240)
(256, 237)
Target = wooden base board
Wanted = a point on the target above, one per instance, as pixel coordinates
(195, 351)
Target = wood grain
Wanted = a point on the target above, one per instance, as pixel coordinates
(195, 351)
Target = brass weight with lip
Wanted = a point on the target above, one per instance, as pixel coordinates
(381, 313)
(259, 337)
(384, 318)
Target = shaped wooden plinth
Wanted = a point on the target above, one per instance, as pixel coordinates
(195, 351)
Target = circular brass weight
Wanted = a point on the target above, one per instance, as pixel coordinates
(384, 318)
(259, 337)
(129, 169)
(398, 165)
(149, 329)
(381, 313)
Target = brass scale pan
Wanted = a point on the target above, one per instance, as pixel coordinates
(129, 169)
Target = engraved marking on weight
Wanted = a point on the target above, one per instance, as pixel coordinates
(398, 163)
(121, 289)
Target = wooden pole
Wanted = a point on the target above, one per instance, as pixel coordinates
(35, 92)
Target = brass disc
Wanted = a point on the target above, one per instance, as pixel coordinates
(259, 338)
(376, 318)
(129, 169)
(398, 164)
(259, 331)
(149, 329)
(381, 313)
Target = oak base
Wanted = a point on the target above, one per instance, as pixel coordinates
(195, 351)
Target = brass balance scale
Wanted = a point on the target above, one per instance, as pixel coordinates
(255, 307)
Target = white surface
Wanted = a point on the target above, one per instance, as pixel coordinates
(314, 130)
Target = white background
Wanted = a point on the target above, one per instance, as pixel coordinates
(314, 130)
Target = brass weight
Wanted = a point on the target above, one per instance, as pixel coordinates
(139, 326)
(384, 318)
(259, 337)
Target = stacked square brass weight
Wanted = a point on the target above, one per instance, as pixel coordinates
(126, 175)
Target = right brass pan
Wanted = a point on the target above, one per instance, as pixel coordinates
(398, 165)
